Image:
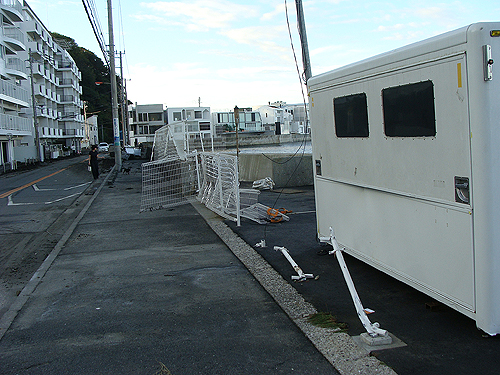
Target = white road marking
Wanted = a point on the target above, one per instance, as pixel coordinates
(36, 188)
(60, 199)
(11, 202)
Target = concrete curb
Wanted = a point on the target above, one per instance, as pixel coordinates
(337, 347)
(23, 297)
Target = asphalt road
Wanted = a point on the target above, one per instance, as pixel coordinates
(161, 293)
(36, 207)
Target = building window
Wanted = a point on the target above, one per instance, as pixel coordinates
(193, 128)
(409, 110)
(204, 126)
(177, 116)
(351, 116)
(143, 117)
(197, 114)
(223, 117)
(155, 117)
(153, 129)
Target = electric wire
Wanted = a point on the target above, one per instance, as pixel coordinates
(91, 10)
(302, 81)
(122, 35)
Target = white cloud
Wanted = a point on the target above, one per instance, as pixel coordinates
(254, 72)
(184, 83)
(201, 15)
(259, 37)
(398, 26)
(320, 50)
(432, 12)
(278, 10)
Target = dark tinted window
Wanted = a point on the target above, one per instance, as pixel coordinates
(351, 116)
(409, 110)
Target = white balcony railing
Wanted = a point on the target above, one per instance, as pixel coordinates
(14, 33)
(10, 90)
(16, 64)
(15, 5)
(15, 123)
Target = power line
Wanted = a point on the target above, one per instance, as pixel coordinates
(93, 17)
(122, 34)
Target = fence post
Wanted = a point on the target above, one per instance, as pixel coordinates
(237, 193)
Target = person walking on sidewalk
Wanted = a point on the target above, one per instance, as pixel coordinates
(93, 161)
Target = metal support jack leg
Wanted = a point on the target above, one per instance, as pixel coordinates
(375, 335)
(301, 275)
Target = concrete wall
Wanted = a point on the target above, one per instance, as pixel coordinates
(249, 139)
(284, 170)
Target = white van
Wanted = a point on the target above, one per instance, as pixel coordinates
(407, 166)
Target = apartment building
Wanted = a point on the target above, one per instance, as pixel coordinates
(57, 89)
(144, 120)
(91, 132)
(16, 128)
(283, 118)
(249, 121)
(40, 105)
(196, 121)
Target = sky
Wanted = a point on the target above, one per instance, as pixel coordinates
(223, 54)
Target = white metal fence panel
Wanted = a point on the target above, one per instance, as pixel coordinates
(165, 145)
(220, 187)
(169, 182)
(175, 177)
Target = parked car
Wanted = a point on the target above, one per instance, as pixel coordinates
(103, 147)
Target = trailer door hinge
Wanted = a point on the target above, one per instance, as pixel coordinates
(487, 62)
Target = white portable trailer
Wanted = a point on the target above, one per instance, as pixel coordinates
(407, 166)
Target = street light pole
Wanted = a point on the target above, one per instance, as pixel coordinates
(114, 96)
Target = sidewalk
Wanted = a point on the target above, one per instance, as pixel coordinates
(146, 293)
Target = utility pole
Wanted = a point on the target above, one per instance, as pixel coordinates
(303, 40)
(35, 118)
(127, 126)
(124, 109)
(114, 95)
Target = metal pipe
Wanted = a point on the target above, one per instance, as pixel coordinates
(372, 329)
(301, 275)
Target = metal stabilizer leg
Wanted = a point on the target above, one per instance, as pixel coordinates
(301, 275)
(375, 335)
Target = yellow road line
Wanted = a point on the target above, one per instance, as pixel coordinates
(29, 184)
